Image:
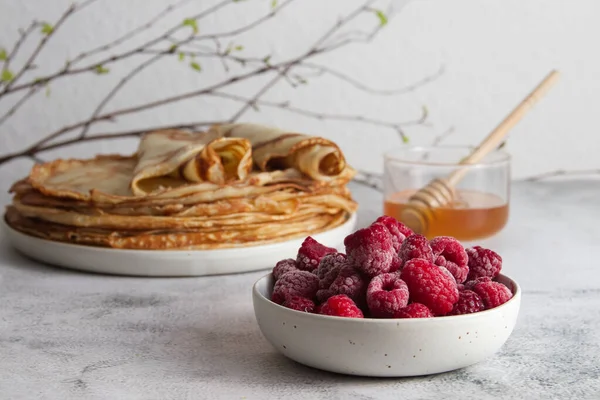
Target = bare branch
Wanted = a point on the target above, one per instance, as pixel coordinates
(134, 32)
(18, 104)
(369, 179)
(562, 173)
(116, 89)
(22, 37)
(321, 69)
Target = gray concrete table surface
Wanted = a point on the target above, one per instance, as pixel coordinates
(71, 335)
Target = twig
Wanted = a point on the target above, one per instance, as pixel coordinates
(18, 104)
(133, 33)
(22, 37)
(321, 69)
(562, 173)
(369, 179)
(116, 89)
(102, 136)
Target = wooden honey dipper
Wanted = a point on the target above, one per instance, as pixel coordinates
(418, 212)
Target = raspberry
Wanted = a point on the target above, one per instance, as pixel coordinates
(471, 283)
(295, 283)
(468, 302)
(430, 285)
(341, 306)
(284, 266)
(310, 254)
(386, 294)
(299, 303)
(329, 268)
(483, 262)
(414, 310)
(492, 293)
(397, 230)
(370, 249)
(351, 283)
(449, 253)
(323, 295)
(396, 263)
(415, 246)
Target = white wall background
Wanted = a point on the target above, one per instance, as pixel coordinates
(494, 52)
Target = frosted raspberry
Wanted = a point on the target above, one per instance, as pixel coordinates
(295, 283)
(310, 254)
(351, 283)
(430, 285)
(386, 295)
(329, 268)
(284, 266)
(370, 249)
(396, 263)
(449, 253)
(468, 302)
(471, 283)
(299, 303)
(340, 306)
(414, 310)
(323, 295)
(483, 262)
(397, 229)
(415, 246)
(492, 293)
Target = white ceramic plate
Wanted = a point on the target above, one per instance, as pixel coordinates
(167, 263)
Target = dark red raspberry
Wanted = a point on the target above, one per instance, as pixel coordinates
(299, 303)
(468, 302)
(329, 268)
(449, 253)
(415, 246)
(295, 283)
(483, 262)
(341, 306)
(310, 254)
(471, 283)
(414, 310)
(430, 285)
(397, 229)
(386, 294)
(351, 283)
(284, 266)
(323, 295)
(370, 249)
(492, 293)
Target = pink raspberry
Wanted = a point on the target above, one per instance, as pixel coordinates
(483, 262)
(397, 229)
(283, 267)
(430, 285)
(370, 249)
(310, 254)
(386, 295)
(299, 303)
(470, 284)
(295, 283)
(351, 283)
(468, 302)
(414, 310)
(449, 253)
(396, 263)
(340, 306)
(492, 293)
(329, 268)
(415, 246)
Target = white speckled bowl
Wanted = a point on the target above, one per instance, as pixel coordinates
(384, 347)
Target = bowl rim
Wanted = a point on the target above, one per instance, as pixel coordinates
(392, 156)
(388, 321)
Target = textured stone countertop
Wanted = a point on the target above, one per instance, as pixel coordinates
(69, 335)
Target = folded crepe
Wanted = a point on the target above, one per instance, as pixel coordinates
(166, 156)
(273, 148)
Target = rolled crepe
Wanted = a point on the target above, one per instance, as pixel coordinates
(273, 148)
(170, 158)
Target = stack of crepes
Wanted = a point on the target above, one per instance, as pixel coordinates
(233, 185)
